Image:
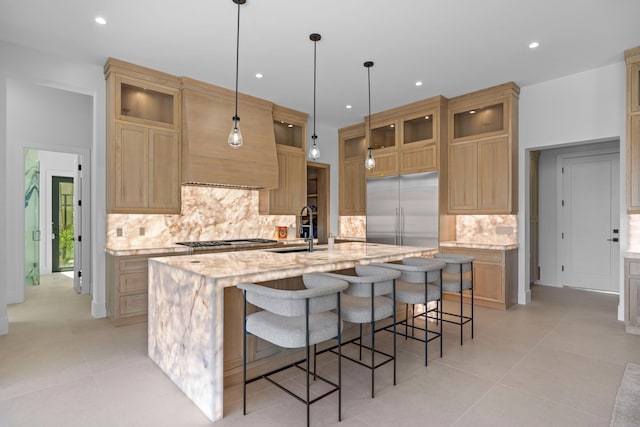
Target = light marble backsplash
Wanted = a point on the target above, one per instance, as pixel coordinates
(634, 233)
(352, 226)
(487, 229)
(208, 213)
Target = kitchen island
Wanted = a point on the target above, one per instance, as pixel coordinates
(187, 313)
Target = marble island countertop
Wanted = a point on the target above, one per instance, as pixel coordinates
(186, 321)
(230, 268)
(475, 245)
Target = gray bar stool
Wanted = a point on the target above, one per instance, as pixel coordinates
(419, 284)
(364, 301)
(457, 277)
(294, 319)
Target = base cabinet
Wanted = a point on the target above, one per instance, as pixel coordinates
(126, 287)
(632, 295)
(495, 276)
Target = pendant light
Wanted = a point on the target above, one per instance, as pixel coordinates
(370, 162)
(235, 136)
(314, 152)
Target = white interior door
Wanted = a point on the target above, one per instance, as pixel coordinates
(590, 222)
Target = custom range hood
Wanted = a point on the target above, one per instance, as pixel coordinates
(207, 159)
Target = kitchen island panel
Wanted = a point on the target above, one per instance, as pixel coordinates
(185, 333)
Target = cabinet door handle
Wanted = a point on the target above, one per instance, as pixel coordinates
(615, 239)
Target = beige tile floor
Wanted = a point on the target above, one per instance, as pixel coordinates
(556, 362)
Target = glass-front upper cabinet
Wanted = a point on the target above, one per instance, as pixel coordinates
(481, 120)
(287, 134)
(383, 136)
(146, 103)
(419, 129)
(355, 148)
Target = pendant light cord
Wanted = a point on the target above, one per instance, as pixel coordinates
(236, 118)
(314, 136)
(369, 90)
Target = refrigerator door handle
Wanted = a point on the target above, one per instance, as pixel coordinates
(401, 227)
(396, 228)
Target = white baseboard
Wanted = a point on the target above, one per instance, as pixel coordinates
(4, 325)
(98, 310)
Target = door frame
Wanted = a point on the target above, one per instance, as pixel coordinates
(323, 186)
(82, 254)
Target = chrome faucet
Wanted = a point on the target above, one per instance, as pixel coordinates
(309, 237)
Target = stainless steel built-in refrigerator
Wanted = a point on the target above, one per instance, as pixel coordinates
(403, 210)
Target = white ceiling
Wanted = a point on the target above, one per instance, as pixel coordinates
(453, 46)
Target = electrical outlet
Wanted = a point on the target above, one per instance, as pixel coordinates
(141, 231)
(503, 229)
(118, 232)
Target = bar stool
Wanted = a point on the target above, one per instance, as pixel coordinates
(419, 284)
(457, 277)
(294, 319)
(364, 302)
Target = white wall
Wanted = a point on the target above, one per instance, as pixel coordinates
(51, 164)
(548, 185)
(35, 74)
(583, 107)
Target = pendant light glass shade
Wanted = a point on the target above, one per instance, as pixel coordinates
(370, 162)
(235, 136)
(314, 151)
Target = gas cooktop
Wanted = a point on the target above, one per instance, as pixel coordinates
(212, 243)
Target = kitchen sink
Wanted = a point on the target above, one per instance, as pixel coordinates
(294, 249)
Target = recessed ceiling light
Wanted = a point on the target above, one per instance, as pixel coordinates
(426, 117)
(289, 125)
(418, 83)
(472, 112)
(533, 45)
(258, 75)
(392, 126)
(349, 107)
(100, 20)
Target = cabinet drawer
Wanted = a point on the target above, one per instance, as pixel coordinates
(634, 268)
(134, 282)
(134, 263)
(133, 304)
(479, 255)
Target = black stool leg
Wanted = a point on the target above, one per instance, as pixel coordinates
(244, 354)
(472, 300)
(461, 309)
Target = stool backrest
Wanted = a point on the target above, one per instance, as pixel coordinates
(293, 303)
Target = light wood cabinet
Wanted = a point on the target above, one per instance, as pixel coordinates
(143, 140)
(495, 276)
(632, 295)
(146, 174)
(632, 57)
(127, 287)
(406, 139)
(291, 194)
(351, 174)
(482, 152)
